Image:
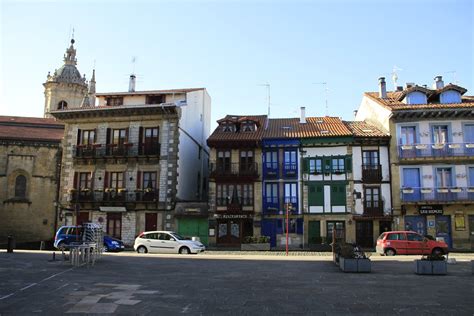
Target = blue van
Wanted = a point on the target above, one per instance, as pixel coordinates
(68, 234)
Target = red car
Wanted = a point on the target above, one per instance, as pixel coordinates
(408, 243)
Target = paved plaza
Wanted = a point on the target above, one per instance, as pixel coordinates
(218, 283)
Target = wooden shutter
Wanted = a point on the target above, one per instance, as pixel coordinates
(327, 167)
(348, 163)
(139, 179)
(126, 134)
(316, 194)
(124, 183)
(299, 226)
(76, 180)
(106, 180)
(92, 180)
(306, 165)
(95, 135)
(140, 140)
(338, 194)
(78, 137)
(109, 135)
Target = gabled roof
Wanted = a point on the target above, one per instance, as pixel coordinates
(314, 127)
(364, 129)
(220, 136)
(30, 128)
(393, 103)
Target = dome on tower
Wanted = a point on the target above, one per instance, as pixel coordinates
(68, 73)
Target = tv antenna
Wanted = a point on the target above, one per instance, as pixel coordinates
(395, 71)
(454, 73)
(326, 90)
(268, 95)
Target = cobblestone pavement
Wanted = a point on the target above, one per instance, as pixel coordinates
(230, 283)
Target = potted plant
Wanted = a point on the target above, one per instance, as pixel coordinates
(470, 189)
(442, 190)
(353, 259)
(421, 146)
(256, 243)
(433, 264)
(437, 146)
(456, 189)
(407, 147)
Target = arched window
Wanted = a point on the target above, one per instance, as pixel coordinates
(20, 186)
(62, 105)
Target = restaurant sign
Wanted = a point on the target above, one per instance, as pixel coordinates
(232, 216)
(431, 209)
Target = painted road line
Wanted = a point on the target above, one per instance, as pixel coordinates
(28, 286)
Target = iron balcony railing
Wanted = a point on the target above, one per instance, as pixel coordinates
(277, 205)
(234, 169)
(116, 150)
(371, 173)
(444, 194)
(110, 195)
(433, 150)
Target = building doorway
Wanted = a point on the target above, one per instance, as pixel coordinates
(365, 234)
(151, 221)
(114, 225)
(83, 218)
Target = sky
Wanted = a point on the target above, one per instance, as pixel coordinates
(232, 48)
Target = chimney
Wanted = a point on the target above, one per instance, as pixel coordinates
(131, 85)
(382, 88)
(355, 113)
(303, 115)
(438, 82)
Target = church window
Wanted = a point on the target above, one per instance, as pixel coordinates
(20, 186)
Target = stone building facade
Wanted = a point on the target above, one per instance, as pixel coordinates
(30, 158)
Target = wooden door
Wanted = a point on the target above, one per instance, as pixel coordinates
(365, 234)
(83, 218)
(114, 225)
(151, 221)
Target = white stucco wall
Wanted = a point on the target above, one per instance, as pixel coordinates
(373, 113)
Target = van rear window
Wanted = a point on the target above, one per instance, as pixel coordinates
(381, 236)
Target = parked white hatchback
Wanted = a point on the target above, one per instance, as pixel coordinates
(166, 242)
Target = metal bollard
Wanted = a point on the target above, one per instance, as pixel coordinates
(11, 244)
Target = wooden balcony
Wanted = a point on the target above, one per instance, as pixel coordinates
(371, 173)
(113, 197)
(234, 170)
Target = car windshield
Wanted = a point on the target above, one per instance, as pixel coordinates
(178, 237)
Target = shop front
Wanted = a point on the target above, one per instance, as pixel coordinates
(232, 228)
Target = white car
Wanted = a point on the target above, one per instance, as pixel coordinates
(166, 242)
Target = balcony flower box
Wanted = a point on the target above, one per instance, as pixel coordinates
(469, 145)
(121, 190)
(72, 190)
(421, 146)
(85, 190)
(426, 190)
(96, 145)
(407, 190)
(437, 146)
(470, 189)
(454, 146)
(148, 190)
(442, 190)
(127, 144)
(455, 190)
(108, 190)
(98, 190)
(407, 147)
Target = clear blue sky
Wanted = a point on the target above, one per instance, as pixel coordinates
(232, 47)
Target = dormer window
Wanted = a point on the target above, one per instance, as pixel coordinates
(114, 101)
(450, 96)
(228, 127)
(247, 126)
(416, 97)
(62, 105)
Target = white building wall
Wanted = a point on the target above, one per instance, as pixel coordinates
(357, 163)
(385, 162)
(373, 113)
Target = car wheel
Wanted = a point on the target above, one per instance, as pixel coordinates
(437, 252)
(390, 252)
(184, 250)
(142, 249)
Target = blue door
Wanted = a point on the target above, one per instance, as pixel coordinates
(269, 229)
(443, 228)
(411, 179)
(416, 224)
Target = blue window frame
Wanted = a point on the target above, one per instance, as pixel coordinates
(271, 164)
(291, 195)
(271, 199)
(290, 164)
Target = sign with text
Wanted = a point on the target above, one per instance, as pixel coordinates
(431, 209)
(232, 216)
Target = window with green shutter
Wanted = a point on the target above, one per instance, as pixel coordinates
(316, 194)
(338, 194)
